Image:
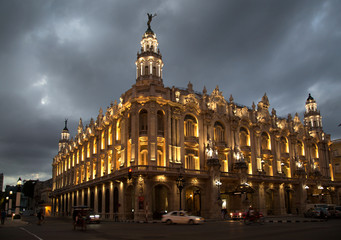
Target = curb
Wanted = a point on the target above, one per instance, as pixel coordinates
(294, 221)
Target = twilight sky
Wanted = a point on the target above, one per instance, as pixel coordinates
(66, 59)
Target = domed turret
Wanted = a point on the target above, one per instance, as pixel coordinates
(149, 60)
(312, 117)
(65, 137)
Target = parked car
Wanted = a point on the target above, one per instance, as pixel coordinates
(334, 211)
(181, 217)
(317, 212)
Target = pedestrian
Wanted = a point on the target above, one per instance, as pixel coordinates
(40, 216)
(3, 216)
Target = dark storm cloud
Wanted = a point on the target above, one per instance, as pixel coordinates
(66, 59)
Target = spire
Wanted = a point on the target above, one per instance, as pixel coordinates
(65, 128)
(149, 62)
(310, 97)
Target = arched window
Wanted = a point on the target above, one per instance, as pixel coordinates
(146, 70)
(219, 132)
(244, 137)
(284, 145)
(190, 126)
(160, 160)
(160, 125)
(143, 122)
(265, 139)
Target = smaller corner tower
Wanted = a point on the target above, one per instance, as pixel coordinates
(65, 137)
(312, 116)
(149, 60)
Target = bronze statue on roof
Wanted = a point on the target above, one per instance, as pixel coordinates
(150, 18)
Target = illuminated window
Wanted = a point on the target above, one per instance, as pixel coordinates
(244, 137)
(110, 136)
(265, 140)
(103, 140)
(284, 145)
(190, 126)
(219, 132)
(118, 131)
(95, 146)
(143, 157)
(160, 159)
(300, 149)
(88, 150)
(83, 153)
(77, 158)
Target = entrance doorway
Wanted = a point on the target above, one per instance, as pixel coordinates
(160, 201)
(193, 201)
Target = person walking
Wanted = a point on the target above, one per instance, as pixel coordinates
(3, 216)
(40, 216)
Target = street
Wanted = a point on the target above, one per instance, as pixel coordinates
(61, 228)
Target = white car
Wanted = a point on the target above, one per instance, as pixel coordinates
(181, 217)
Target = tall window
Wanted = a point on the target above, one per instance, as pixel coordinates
(110, 135)
(143, 157)
(314, 150)
(189, 163)
(95, 146)
(284, 145)
(244, 137)
(88, 150)
(265, 140)
(219, 132)
(160, 160)
(300, 149)
(143, 122)
(160, 127)
(103, 140)
(118, 130)
(190, 126)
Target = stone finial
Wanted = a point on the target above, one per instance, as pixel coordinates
(253, 106)
(231, 99)
(273, 112)
(204, 91)
(190, 86)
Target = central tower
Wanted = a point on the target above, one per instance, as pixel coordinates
(149, 60)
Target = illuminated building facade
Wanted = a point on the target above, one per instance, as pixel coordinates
(230, 156)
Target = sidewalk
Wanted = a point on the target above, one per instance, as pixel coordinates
(291, 219)
(13, 223)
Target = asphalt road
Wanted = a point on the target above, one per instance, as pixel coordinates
(61, 228)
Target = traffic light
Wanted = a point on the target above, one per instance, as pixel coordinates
(130, 173)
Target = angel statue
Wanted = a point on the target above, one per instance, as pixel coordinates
(150, 18)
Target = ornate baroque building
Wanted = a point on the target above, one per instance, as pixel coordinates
(132, 158)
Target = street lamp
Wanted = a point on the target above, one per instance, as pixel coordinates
(180, 182)
(10, 203)
(218, 184)
(18, 198)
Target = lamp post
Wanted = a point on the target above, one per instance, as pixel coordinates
(218, 184)
(6, 207)
(180, 182)
(10, 203)
(18, 198)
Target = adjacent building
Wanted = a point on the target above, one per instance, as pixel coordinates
(164, 148)
(336, 157)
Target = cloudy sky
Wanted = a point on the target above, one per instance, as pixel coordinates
(66, 59)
